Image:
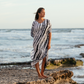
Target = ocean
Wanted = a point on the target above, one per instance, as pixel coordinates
(16, 45)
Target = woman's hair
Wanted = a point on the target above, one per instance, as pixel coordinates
(38, 11)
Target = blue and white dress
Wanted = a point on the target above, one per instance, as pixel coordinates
(40, 33)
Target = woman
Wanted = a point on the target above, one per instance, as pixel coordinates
(41, 32)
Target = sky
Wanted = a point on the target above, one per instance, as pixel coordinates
(19, 14)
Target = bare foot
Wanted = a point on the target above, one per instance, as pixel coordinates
(44, 76)
(40, 76)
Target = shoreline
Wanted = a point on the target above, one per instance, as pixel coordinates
(53, 63)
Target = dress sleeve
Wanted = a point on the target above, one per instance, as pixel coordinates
(32, 29)
(49, 29)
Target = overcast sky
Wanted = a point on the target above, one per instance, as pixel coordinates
(18, 14)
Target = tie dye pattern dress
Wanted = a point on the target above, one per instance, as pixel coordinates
(40, 33)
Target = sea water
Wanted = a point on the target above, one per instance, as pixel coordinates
(16, 45)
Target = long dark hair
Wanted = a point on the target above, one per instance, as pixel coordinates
(38, 11)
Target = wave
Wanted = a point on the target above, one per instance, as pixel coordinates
(77, 31)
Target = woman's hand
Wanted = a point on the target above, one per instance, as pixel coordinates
(49, 46)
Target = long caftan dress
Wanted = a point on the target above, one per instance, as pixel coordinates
(40, 33)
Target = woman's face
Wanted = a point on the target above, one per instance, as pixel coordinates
(42, 13)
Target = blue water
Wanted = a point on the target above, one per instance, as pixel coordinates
(16, 45)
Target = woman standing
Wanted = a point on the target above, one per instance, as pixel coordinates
(41, 32)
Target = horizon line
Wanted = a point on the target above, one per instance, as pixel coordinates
(21, 28)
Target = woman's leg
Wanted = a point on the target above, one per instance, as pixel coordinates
(38, 71)
(42, 69)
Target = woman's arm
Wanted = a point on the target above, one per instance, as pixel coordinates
(32, 29)
(50, 35)
(49, 42)
(49, 38)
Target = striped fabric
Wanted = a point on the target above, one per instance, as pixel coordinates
(40, 33)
